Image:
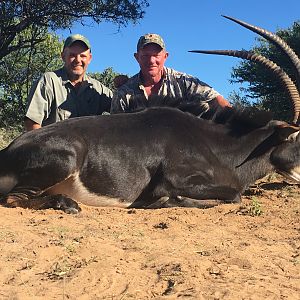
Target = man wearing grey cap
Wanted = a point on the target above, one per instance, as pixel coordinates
(67, 92)
(156, 79)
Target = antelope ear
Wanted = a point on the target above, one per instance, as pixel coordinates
(287, 132)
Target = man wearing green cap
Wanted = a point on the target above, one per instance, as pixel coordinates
(67, 92)
(156, 79)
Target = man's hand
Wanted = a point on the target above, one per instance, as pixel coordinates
(30, 125)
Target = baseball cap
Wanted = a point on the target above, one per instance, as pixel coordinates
(150, 38)
(76, 37)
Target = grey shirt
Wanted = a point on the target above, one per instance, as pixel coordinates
(53, 98)
(174, 84)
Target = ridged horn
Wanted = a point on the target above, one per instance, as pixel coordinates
(274, 39)
(277, 41)
(287, 82)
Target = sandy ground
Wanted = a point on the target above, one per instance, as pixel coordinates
(245, 251)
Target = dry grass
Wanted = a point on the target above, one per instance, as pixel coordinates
(8, 134)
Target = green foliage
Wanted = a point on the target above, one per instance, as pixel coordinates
(237, 99)
(106, 77)
(19, 15)
(20, 69)
(263, 87)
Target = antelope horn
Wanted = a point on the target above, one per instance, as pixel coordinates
(285, 79)
(277, 41)
(274, 39)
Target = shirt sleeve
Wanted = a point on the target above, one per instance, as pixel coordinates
(38, 102)
(196, 87)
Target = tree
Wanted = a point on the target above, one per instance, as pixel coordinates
(263, 87)
(106, 77)
(19, 15)
(21, 68)
(237, 99)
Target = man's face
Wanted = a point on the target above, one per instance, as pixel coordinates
(151, 59)
(76, 58)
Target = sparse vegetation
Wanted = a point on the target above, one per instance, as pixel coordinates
(66, 267)
(255, 208)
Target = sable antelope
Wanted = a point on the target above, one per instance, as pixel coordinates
(158, 157)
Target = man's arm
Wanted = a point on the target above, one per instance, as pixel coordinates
(195, 86)
(30, 125)
(222, 101)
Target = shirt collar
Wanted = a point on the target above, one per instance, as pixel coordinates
(65, 79)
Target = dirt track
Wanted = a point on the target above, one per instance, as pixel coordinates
(105, 253)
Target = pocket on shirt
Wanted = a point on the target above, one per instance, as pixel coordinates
(63, 114)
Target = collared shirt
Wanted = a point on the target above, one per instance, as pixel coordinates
(174, 84)
(53, 98)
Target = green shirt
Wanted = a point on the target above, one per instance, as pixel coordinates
(53, 98)
(174, 84)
